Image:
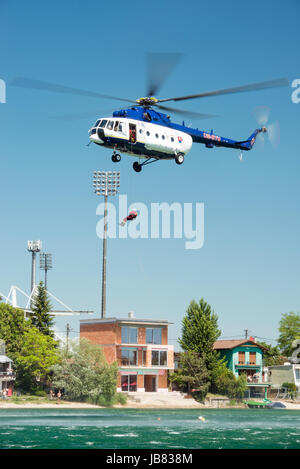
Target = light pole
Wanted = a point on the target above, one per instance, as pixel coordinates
(33, 247)
(105, 183)
(45, 264)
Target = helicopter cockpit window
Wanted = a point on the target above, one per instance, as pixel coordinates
(103, 123)
(97, 123)
(110, 125)
(116, 126)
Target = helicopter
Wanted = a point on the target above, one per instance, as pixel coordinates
(143, 131)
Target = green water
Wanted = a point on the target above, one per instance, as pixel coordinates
(135, 429)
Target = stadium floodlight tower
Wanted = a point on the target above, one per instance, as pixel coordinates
(45, 264)
(105, 183)
(33, 247)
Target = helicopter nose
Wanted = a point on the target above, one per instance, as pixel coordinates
(96, 134)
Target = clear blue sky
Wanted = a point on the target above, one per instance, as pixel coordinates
(248, 268)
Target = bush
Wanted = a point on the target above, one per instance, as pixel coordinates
(40, 393)
(85, 375)
(291, 389)
(225, 383)
(108, 401)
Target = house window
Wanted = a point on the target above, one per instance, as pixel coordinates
(241, 358)
(252, 358)
(159, 358)
(129, 383)
(297, 374)
(153, 335)
(128, 357)
(129, 335)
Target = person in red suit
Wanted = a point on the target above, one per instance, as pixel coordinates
(131, 216)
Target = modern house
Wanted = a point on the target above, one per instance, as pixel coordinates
(286, 373)
(140, 347)
(245, 357)
(7, 375)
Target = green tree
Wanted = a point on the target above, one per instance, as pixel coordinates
(225, 382)
(192, 375)
(41, 308)
(35, 359)
(289, 328)
(200, 331)
(84, 374)
(272, 355)
(13, 327)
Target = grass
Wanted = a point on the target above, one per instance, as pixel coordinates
(33, 399)
(30, 399)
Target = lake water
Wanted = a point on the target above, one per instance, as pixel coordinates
(141, 429)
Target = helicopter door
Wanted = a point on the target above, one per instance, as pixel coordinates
(132, 133)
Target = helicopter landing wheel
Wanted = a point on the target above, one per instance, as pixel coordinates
(179, 159)
(137, 167)
(116, 158)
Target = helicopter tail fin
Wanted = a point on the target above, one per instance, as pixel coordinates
(248, 144)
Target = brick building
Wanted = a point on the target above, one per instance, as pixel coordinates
(140, 347)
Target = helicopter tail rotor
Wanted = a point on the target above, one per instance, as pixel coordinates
(272, 130)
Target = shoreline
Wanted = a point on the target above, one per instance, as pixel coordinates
(82, 405)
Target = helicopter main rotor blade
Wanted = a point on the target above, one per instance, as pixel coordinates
(82, 115)
(183, 112)
(159, 66)
(53, 87)
(238, 89)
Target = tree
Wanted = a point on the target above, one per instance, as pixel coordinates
(41, 308)
(225, 382)
(35, 359)
(200, 331)
(272, 355)
(13, 327)
(289, 328)
(192, 375)
(84, 374)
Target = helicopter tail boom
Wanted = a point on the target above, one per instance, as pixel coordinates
(248, 144)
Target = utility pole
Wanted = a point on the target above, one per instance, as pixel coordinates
(67, 337)
(246, 333)
(105, 183)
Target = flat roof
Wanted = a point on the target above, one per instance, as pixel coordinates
(161, 322)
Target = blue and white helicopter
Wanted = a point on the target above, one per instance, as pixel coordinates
(144, 132)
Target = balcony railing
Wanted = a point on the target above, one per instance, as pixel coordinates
(248, 363)
(7, 375)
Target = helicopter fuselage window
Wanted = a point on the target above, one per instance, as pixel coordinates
(103, 123)
(148, 133)
(110, 125)
(116, 126)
